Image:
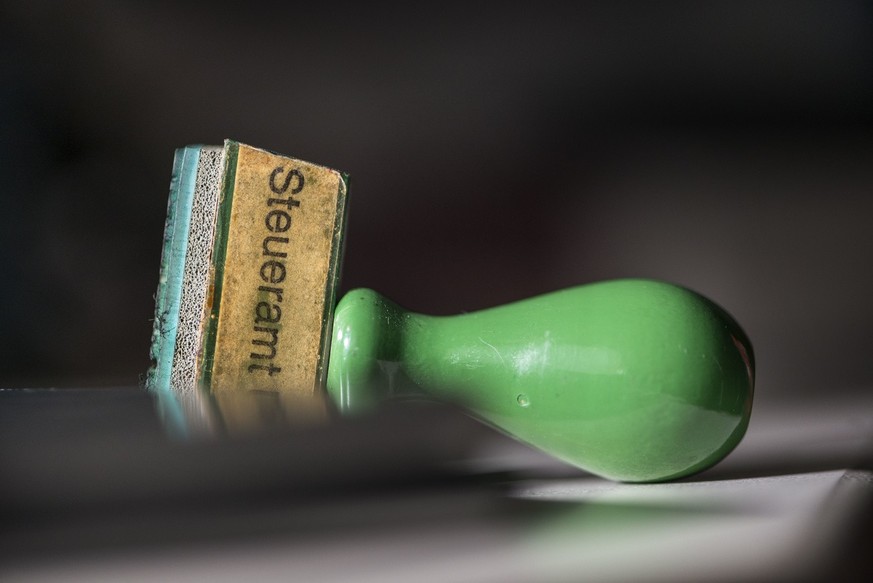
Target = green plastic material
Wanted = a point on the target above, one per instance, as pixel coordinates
(633, 380)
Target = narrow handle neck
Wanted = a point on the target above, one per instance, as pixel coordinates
(368, 351)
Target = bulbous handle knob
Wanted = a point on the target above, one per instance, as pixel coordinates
(633, 380)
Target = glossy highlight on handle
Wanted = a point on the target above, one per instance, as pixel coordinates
(634, 380)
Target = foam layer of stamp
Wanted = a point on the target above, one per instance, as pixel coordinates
(170, 285)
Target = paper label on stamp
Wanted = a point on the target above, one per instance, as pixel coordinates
(275, 287)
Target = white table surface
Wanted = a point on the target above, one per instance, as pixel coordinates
(779, 508)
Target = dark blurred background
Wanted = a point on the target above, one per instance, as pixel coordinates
(497, 151)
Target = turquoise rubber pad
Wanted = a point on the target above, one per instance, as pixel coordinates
(169, 292)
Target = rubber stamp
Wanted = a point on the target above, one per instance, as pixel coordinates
(244, 306)
(634, 380)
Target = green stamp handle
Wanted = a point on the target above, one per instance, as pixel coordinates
(634, 380)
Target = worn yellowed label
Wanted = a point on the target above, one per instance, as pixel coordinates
(276, 289)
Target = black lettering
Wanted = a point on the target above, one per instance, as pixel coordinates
(278, 221)
(274, 253)
(267, 367)
(281, 189)
(267, 312)
(273, 272)
(270, 344)
(288, 202)
(272, 290)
